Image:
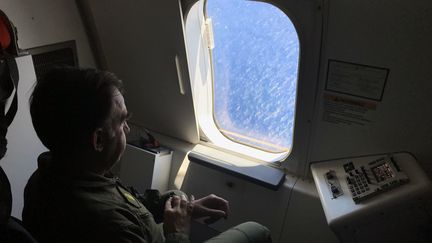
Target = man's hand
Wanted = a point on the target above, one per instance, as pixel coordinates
(177, 215)
(210, 206)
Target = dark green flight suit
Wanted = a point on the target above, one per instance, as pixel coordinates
(61, 207)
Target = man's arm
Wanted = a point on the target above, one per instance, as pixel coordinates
(177, 215)
(211, 206)
(155, 202)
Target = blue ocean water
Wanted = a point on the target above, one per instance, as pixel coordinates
(255, 63)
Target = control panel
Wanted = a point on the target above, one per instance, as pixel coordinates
(380, 188)
(367, 178)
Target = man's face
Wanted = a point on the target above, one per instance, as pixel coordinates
(116, 138)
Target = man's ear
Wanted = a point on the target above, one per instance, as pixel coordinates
(97, 140)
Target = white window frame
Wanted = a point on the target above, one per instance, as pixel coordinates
(307, 19)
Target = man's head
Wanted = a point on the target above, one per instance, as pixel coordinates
(76, 111)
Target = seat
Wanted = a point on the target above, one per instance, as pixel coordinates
(11, 228)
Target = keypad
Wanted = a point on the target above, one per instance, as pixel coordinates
(357, 184)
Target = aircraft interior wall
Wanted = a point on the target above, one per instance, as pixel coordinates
(389, 36)
(394, 35)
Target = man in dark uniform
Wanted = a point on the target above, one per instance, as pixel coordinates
(81, 117)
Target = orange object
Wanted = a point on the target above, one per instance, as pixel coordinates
(5, 35)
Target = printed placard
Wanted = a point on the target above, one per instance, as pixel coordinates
(348, 111)
(357, 80)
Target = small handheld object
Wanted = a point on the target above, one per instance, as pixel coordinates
(333, 183)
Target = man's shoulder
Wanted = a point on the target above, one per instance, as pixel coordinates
(86, 209)
(52, 193)
(93, 201)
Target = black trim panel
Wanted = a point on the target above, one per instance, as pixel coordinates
(262, 175)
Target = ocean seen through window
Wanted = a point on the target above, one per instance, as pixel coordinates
(255, 67)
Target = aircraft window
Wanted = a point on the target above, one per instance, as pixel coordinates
(253, 53)
(255, 60)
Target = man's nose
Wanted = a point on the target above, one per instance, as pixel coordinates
(126, 128)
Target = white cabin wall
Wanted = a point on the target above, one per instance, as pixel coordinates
(392, 34)
(45, 22)
(39, 23)
(23, 145)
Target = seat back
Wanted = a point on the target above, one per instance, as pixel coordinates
(14, 232)
(11, 229)
(5, 198)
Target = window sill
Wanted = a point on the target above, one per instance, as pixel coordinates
(266, 176)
